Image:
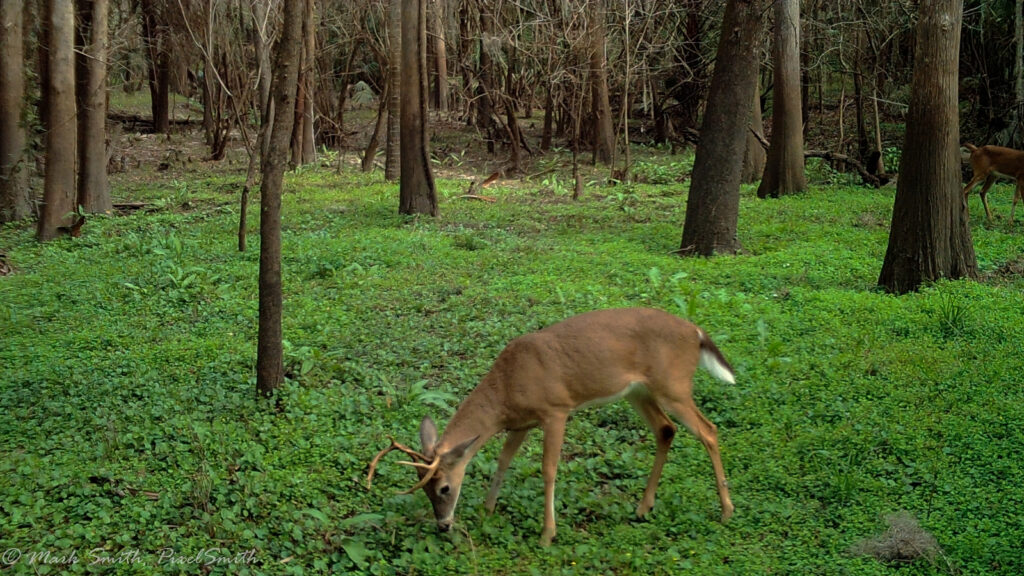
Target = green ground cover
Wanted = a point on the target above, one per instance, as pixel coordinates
(130, 429)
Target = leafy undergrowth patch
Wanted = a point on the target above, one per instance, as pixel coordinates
(131, 435)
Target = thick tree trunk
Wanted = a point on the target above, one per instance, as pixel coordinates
(930, 237)
(15, 202)
(269, 348)
(784, 171)
(712, 207)
(603, 131)
(93, 188)
(393, 150)
(59, 183)
(416, 188)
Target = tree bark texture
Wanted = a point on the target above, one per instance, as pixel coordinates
(417, 194)
(93, 188)
(601, 108)
(712, 207)
(930, 237)
(59, 182)
(784, 170)
(754, 155)
(392, 149)
(15, 200)
(440, 54)
(159, 67)
(269, 348)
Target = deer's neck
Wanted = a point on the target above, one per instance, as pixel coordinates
(479, 416)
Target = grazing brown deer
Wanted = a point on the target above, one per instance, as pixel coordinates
(990, 162)
(645, 356)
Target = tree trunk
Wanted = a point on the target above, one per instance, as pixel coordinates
(309, 80)
(694, 70)
(370, 154)
(159, 68)
(754, 155)
(784, 171)
(259, 12)
(93, 189)
(858, 97)
(603, 132)
(15, 201)
(485, 77)
(269, 348)
(59, 183)
(393, 149)
(712, 207)
(440, 55)
(930, 237)
(416, 188)
(549, 111)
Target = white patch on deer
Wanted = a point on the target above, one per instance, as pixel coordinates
(633, 388)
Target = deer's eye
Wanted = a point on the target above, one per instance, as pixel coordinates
(444, 490)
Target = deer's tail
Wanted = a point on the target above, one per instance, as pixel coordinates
(712, 360)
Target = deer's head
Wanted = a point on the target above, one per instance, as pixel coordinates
(440, 471)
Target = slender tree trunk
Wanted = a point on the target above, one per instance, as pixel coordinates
(370, 154)
(309, 82)
(694, 83)
(858, 97)
(416, 188)
(93, 189)
(440, 54)
(549, 112)
(15, 202)
(393, 149)
(784, 171)
(754, 155)
(603, 131)
(930, 237)
(485, 77)
(269, 348)
(260, 13)
(159, 68)
(59, 183)
(1015, 137)
(712, 207)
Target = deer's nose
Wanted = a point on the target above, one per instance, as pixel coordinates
(444, 525)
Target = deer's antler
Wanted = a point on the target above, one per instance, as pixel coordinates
(413, 453)
(431, 470)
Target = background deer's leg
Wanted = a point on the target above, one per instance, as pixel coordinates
(984, 194)
(686, 411)
(1017, 195)
(554, 434)
(512, 443)
(664, 430)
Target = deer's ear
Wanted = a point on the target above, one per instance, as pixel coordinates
(428, 436)
(456, 453)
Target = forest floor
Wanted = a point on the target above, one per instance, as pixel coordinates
(866, 434)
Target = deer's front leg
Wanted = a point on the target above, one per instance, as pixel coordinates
(554, 433)
(512, 443)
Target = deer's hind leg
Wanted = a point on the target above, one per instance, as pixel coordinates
(686, 411)
(664, 431)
